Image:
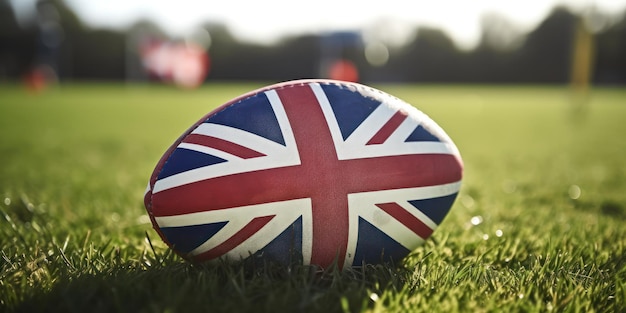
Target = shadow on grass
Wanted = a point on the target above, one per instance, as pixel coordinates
(217, 288)
(607, 207)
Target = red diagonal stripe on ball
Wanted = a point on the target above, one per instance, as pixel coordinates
(387, 129)
(223, 145)
(406, 218)
(250, 229)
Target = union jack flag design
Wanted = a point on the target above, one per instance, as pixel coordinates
(322, 170)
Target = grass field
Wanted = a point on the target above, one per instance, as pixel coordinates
(538, 225)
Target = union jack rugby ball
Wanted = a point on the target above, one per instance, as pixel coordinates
(316, 172)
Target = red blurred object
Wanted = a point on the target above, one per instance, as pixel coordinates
(344, 70)
(190, 65)
(39, 78)
(184, 64)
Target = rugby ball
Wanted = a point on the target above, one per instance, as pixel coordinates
(316, 172)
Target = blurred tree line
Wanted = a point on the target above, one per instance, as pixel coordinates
(503, 55)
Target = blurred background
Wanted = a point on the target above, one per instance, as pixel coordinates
(189, 42)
